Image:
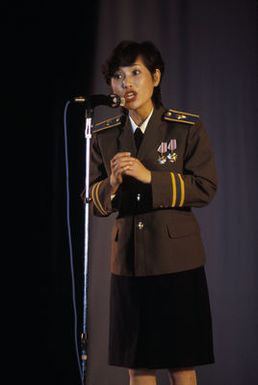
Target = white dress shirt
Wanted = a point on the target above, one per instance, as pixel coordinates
(143, 125)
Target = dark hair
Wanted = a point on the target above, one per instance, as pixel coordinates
(125, 53)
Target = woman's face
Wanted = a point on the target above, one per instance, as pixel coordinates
(136, 84)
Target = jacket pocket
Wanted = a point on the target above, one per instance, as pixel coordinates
(180, 230)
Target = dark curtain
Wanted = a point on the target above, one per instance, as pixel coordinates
(210, 51)
(48, 53)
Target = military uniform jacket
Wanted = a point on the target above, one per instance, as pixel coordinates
(155, 231)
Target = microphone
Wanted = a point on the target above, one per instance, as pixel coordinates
(92, 101)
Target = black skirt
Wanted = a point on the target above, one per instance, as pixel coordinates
(160, 321)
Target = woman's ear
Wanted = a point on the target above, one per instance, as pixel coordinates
(156, 77)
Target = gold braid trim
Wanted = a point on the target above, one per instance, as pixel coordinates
(94, 198)
(173, 180)
(182, 185)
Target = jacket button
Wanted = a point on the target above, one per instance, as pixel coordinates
(140, 225)
(138, 197)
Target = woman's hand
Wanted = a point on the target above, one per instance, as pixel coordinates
(137, 170)
(119, 163)
(123, 164)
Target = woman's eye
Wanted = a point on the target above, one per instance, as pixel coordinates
(117, 76)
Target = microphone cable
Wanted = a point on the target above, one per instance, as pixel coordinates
(70, 242)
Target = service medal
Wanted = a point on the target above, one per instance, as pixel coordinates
(171, 154)
(162, 150)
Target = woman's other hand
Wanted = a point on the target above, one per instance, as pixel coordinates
(124, 164)
(119, 163)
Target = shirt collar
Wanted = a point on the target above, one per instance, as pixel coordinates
(144, 124)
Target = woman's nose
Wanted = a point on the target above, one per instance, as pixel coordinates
(126, 83)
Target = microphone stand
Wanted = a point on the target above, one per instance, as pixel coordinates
(84, 336)
(91, 102)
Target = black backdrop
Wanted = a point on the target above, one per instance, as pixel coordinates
(211, 56)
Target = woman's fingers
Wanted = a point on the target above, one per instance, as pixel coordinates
(121, 168)
(120, 155)
(121, 162)
(139, 172)
(124, 164)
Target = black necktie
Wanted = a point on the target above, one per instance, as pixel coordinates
(138, 136)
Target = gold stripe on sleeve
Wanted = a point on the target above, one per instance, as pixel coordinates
(94, 198)
(97, 197)
(173, 179)
(93, 194)
(182, 185)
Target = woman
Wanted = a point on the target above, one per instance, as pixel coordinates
(152, 165)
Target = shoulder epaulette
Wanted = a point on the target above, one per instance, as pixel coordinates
(108, 123)
(180, 116)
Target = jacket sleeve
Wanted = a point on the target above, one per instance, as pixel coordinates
(100, 188)
(197, 184)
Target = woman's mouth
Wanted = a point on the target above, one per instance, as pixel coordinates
(130, 96)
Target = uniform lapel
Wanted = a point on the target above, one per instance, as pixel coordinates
(126, 140)
(153, 134)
